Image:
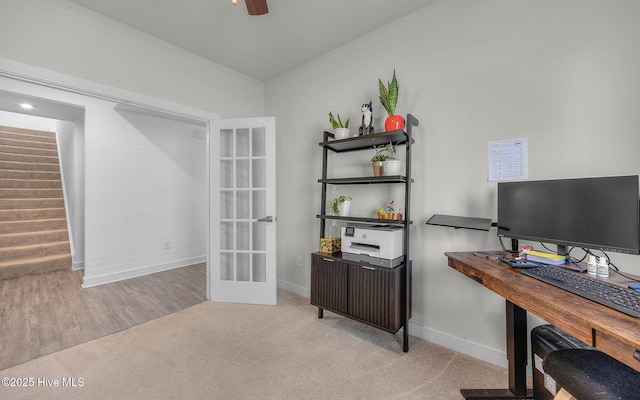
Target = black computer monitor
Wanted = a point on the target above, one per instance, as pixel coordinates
(594, 213)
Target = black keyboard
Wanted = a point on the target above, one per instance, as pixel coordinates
(618, 298)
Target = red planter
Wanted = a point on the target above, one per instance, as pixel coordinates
(394, 122)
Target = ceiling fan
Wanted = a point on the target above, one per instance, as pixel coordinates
(255, 7)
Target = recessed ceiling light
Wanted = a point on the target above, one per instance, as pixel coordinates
(26, 106)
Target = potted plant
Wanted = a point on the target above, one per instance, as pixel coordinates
(391, 166)
(384, 161)
(390, 211)
(340, 130)
(378, 159)
(389, 99)
(341, 205)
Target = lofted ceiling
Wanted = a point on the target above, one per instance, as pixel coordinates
(264, 46)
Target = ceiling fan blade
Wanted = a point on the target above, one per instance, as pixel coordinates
(257, 7)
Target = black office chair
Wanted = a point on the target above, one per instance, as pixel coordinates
(591, 375)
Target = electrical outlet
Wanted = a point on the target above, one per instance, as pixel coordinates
(299, 261)
(167, 244)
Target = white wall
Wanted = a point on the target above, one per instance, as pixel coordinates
(145, 189)
(62, 36)
(564, 74)
(145, 194)
(144, 182)
(18, 120)
(70, 138)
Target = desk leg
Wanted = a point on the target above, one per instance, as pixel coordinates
(517, 358)
(517, 348)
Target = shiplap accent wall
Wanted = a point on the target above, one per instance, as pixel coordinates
(146, 195)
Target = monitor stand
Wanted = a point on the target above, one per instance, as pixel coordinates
(515, 248)
(561, 250)
(578, 267)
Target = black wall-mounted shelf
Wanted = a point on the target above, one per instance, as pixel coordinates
(378, 221)
(363, 142)
(365, 180)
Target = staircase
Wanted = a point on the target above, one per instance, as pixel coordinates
(33, 225)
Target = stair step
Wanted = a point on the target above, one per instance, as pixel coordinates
(28, 151)
(33, 214)
(30, 184)
(29, 175)
(27, 158)
(29, 193)
(24, 142)
(25, 131)
(29, 166)
(27, 137)
(22, 204)
(32, 225)
(35, 237)
(35, 265)
(16, 253)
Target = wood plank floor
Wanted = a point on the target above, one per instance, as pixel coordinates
(44, 313)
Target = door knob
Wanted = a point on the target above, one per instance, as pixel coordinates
(268, 218)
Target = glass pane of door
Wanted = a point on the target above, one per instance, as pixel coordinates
(242, 203)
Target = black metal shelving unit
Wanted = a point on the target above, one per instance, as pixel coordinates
(397, 137)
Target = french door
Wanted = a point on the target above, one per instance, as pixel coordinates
(242, 211)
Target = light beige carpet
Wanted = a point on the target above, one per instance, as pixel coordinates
(233, 351)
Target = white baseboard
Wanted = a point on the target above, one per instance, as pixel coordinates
(133, 273)
(76, 265)
(475, 350)
(293, 288)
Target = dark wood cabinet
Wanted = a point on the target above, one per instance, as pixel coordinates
(375, 295)
(370, 294)
(378, 296)
(329, 277)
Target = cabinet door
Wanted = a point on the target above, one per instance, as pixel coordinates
(329, 283)
(375, 295)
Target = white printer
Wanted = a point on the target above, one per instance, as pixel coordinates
(380, 245)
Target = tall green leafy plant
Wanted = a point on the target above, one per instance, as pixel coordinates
(389, 94)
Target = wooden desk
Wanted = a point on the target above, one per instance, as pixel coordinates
(610, 331)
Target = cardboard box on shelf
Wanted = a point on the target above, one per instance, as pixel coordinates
(330, 245)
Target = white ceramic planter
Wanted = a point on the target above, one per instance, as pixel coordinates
(343, 209)
(392, 167)
(341, 133)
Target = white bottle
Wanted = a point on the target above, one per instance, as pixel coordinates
(603, 268)
(592, 265)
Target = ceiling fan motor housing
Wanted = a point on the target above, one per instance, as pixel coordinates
(257, 7)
